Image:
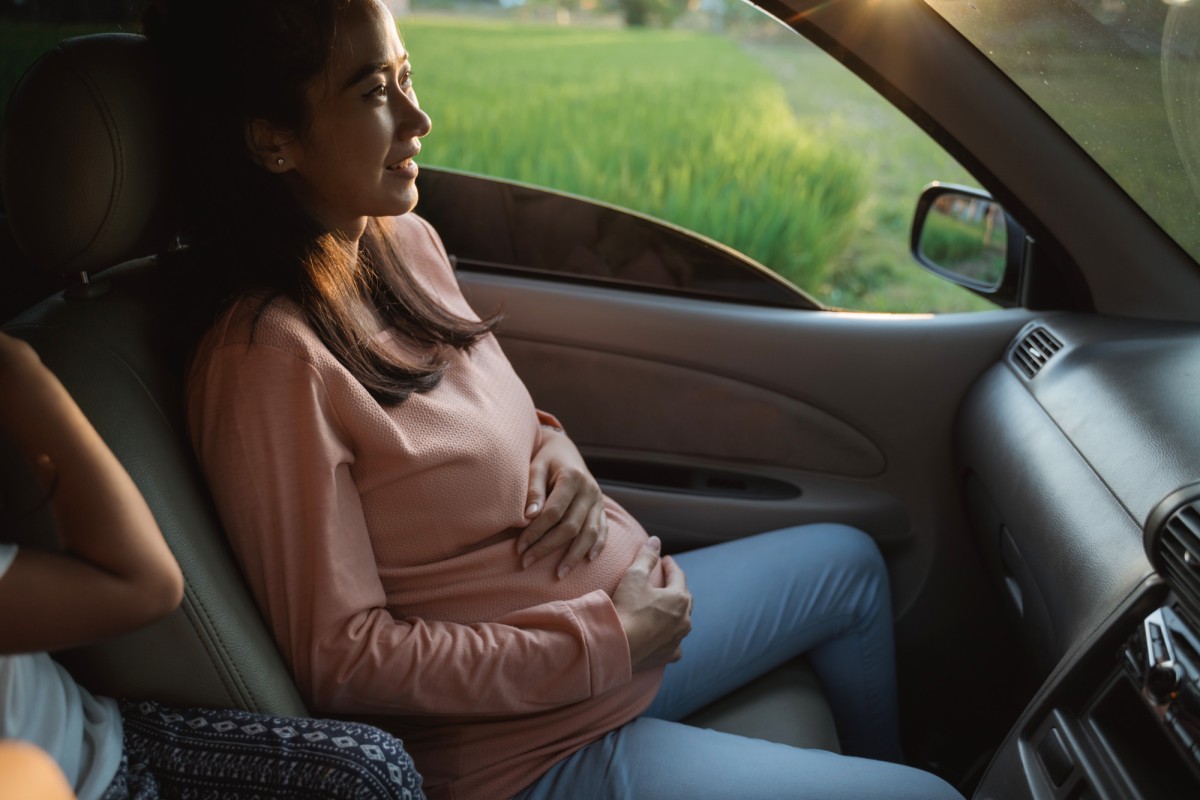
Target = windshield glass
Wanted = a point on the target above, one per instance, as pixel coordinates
(1122, 77)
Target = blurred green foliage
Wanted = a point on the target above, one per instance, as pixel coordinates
(946, 240)
(960, 247)
(640, 13)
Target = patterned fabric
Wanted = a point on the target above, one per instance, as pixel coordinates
(206, 754)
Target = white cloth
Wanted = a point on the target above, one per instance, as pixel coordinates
(41, 703)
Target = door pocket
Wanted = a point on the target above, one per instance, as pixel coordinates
(689, 480)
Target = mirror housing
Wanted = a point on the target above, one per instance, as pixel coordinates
(964, 236)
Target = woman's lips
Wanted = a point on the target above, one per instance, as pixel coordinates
(406, 168)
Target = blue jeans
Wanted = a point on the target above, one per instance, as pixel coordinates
(821, 590)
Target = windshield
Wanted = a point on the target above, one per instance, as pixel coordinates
(1122, 77)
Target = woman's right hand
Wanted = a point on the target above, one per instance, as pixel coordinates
(655, 620)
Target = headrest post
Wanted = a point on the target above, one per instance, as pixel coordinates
(86, 288)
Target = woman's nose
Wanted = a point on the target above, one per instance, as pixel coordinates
(413, 121)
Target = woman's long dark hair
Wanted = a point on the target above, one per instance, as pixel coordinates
(232, 61)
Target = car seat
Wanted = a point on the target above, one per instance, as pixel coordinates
(85, 169)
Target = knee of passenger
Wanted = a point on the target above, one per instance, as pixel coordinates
(857, 550)
(851, 551)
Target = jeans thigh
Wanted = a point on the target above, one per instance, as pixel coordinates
(667, 760)
(763, 600)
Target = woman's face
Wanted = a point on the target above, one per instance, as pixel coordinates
(356, 160)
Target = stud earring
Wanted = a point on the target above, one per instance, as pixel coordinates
(279, 161)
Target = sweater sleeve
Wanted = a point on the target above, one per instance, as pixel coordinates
(279, 463)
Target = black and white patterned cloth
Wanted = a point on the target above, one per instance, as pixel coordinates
(206, 754)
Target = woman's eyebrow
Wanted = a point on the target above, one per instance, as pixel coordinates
(375, 68)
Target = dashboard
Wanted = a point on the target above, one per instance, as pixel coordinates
(1080, 458)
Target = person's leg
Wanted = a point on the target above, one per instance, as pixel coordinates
(821, 590)
(668, 760)
(239, 755)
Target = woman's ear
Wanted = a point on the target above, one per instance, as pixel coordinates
(272, 148)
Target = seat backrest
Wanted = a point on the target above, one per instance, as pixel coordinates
(83, 169)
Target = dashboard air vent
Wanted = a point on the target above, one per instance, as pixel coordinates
(1178, 555)
(1033, 350)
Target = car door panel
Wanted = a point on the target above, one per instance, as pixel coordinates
(666, 404)
(871, 398)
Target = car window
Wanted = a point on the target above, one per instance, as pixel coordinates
(748, 135)
(1119, 76)
(726, 124)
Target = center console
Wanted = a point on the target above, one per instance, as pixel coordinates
(1119, 718)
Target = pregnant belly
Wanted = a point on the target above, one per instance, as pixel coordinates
(488, 582)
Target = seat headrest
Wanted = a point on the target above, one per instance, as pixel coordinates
(83, 164)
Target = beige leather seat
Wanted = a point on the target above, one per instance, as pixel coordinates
(85, 166)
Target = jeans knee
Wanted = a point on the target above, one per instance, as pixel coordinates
(851, 549)
(861, 552)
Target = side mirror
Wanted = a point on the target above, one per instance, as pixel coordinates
(963, 235)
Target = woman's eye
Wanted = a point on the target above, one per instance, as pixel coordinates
(377, 91)
(406, 81)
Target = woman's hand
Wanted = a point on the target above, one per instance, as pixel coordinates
(655, 620)
(565, 505)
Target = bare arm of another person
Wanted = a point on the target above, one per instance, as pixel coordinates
(115, 573)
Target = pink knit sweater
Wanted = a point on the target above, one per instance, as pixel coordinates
(380, 545)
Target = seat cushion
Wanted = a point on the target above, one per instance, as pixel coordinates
(787, 705)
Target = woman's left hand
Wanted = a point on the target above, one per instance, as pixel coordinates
(565, 503)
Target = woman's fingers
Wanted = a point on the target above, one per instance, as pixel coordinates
(583, 525)
(636, 582)
(547, 516)
(649, 555)
(587, 540)
(676, 583)
(537, 487)
(542, 535)
(602, 539)
(574, 510)
(673, 577)
(564, 505)
(656, 620)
